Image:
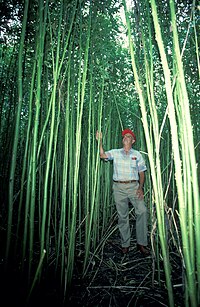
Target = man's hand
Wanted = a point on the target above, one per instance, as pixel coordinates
(140, 193)
(98, 135)
(99, 138)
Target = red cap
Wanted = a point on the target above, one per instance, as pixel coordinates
(125, 131)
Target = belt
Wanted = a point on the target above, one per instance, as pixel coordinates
(129, 181)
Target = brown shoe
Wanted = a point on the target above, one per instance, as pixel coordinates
(125, 250)
(143, 250)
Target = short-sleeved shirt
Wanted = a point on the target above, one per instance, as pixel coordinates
(126, 166)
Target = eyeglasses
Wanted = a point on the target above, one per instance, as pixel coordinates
(127, 136)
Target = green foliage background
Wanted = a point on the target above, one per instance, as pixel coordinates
(67, 71)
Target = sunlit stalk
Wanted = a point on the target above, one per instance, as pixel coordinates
(156, 184)
(175, 146)
(191, 163)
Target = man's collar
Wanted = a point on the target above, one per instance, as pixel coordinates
(130, 151)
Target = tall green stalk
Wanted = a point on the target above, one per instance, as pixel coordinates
(71, 248)
(40, 51)
(25, 159)
(176, 151)
(94, 200)
(17, 129)
(156, 183)
(62, 228)
(50, 144)
(191, 160)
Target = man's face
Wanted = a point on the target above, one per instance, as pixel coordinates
(128, 139)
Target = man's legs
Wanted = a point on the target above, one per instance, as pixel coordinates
(141, 216)
(121, 202)
(141, 222)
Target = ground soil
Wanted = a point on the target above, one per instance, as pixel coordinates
(112, 279)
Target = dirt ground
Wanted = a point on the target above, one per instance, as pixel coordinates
(112, 279)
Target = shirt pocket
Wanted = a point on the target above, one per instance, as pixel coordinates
(133, 162)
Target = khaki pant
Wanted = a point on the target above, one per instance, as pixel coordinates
(123, 194)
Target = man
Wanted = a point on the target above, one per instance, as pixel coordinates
(128, 181)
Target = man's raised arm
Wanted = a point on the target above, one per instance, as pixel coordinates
(101, 150)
